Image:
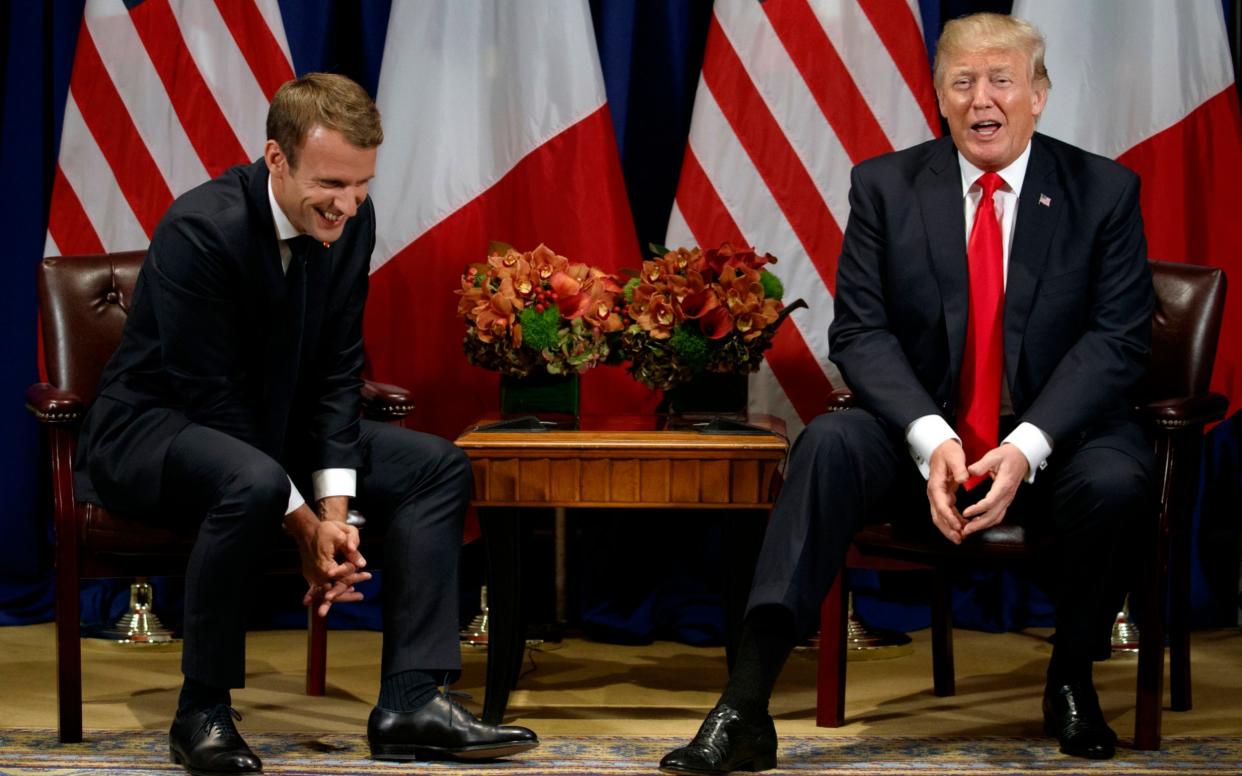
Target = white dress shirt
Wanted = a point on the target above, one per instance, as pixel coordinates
(326, 482)
(927, 433)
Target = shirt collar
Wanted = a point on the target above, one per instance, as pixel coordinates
(1013, 175)
(284, 227)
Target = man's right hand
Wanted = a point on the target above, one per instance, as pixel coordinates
(947, 472)
(320, 544)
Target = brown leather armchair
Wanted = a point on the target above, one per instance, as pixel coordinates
(84, 301)
(1175, 403)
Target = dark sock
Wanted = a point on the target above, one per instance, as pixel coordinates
(767, 639)
(407, 691)
(1066, 667)
(196, 696)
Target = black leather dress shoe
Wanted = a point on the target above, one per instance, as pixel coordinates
(1072, 715)
(442, 730)
(207, 743)
(726, 742)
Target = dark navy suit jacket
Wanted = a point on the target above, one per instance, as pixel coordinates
(1078, 300)
(218, 335)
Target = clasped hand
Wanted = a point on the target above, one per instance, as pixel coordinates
(1007, 467)
(331, 562)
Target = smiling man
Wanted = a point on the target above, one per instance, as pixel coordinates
(235, 396)
(993, 311)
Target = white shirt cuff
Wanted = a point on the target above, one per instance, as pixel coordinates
(295, 498)
(334, 482)
(1034, 444)
(923, 436)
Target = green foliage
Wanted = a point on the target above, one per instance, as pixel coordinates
(773, 288)
(540, 329)
(691, 347)
(628, 289)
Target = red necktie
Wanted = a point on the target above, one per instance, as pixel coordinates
(983, 362)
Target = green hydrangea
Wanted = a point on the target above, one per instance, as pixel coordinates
(691, 347)
(772, 286)
(541, 330)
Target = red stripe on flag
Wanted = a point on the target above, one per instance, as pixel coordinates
(772, 154)
(829, 80)
(790, 359)
(1189, 176)
(114, 132)
(894, 22)
(68, 223)
(567, 193)
(257, 43)
(204, 123)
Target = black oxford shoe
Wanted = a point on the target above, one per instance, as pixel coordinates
(207, 743)
(442, 730)
(726, 742)
(1072, 715)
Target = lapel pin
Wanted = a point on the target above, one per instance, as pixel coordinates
(1045, 200)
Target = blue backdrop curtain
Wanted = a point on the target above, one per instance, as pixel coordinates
(651, 53)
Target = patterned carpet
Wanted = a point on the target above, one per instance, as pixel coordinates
(122, 753)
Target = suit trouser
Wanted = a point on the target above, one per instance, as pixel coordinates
(846, 469)
(415, 490)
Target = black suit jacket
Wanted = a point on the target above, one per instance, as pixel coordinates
(218, 335)
(1078, 300)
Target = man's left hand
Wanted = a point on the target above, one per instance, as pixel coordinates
(1008, 467)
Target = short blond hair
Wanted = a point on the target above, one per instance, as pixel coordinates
(989, 32)
(322, 99)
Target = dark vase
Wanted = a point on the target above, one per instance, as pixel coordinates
(539, 393)
(710, 394)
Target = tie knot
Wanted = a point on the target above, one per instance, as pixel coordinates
(990, 182)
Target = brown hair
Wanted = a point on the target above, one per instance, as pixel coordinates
(322, 99)
(992, 31)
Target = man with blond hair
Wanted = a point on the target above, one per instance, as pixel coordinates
(237, 389)
(993, 311)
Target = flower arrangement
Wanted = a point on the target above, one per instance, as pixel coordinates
(534, 311)
(689, 311)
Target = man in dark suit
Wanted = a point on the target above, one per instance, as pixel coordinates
(993, 309)
(236, 390)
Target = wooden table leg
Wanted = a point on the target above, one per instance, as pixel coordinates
(743, 536)
(506, 634)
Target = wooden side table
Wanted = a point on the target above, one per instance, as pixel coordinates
(616, 462)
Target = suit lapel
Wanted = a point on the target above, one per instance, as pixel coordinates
(939, 189)
(1040, 206)
(263, 236)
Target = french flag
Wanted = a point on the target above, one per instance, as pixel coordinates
(1150, 84)
(496, 127)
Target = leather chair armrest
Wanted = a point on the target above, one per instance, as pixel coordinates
(384, 402)
(50, 404)
(1184, 411)
(840, 399)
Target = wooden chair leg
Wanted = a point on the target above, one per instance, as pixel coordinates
(1178, 522)
(943, 678)
(830, 685)
(316, 653)
(68, 653)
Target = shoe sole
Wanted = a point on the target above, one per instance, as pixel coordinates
(409, 753)
(751, 766)
(177, 759)
(1051, 732)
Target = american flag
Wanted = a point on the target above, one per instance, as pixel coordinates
(793, 94)
(164, 95)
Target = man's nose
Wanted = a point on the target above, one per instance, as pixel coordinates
(348, 203)
(981, 95)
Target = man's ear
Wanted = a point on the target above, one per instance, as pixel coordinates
(277, 162)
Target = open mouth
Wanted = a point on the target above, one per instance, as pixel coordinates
(330, 220)
(986, 128)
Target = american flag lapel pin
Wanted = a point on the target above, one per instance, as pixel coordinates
(1045, 200)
